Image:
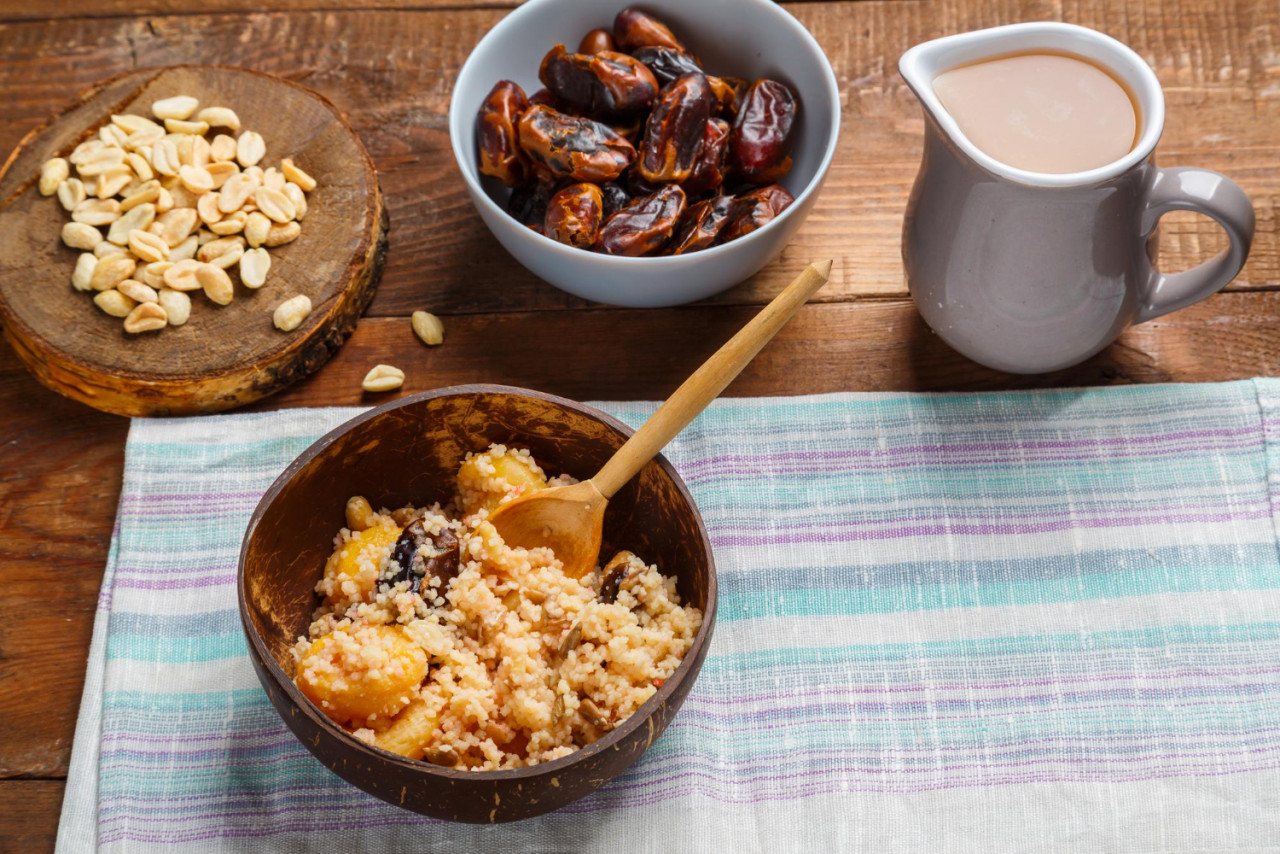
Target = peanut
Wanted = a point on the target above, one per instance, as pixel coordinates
(289, 314)
(139, 218)
(196, 179)
(114, 303)
(282, 234)
(71, 193)
(254, 266)
(52, 174)
(216, 283)
(250, 148)
(296, 175)
(147, 246)
(146, 317)
(182, 275)
(111, 271)
(177, 305)
(299, 199)
(256, 228)
(84, 271)
(232, 223)
(79, 235)
(219, 117)
(178, 107)
(383, 378)
(97, 211)
(274, 204)
(137, 291)
(191, 128)
(428, 328)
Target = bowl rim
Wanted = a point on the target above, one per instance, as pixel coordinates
(481, 198)
(641, 716)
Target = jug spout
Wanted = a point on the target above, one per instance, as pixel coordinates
(920, 65)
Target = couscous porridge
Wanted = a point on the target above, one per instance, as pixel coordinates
(437, 641)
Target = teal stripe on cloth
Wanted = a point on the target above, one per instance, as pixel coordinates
(1036, 620)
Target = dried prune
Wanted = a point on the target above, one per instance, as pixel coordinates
(709, 167)
(601, 84)
(728, 92)
(496, 135)
(634, 29)
(596, 41)
(615, 197)
(666, 63)
(700, 226)
(760, 146)
(419, 556)
(644, 226)
(574, 215)
(581, 149)
(754, 210)
(674, 131)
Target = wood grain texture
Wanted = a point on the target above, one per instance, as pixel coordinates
(390, 72)
(60, 468)
(223, 356)
(31, 815)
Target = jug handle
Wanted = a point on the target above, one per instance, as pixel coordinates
(1216, 196)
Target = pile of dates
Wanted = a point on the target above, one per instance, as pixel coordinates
(633, 149)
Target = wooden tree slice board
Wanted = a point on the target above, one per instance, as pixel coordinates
(223, 356)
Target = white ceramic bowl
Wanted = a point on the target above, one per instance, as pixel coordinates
(737, 38)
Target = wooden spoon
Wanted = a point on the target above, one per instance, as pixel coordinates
(570, 519)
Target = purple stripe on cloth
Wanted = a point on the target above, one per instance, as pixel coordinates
(987, 529)
(998, 448)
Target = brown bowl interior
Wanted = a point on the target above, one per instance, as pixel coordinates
(408, 452)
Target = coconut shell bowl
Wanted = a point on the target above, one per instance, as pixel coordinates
(409, 451)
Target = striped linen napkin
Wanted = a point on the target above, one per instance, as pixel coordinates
(1031, 621)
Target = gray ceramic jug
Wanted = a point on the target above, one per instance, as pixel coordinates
(1030, 272)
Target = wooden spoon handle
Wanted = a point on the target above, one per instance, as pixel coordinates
(708, 381)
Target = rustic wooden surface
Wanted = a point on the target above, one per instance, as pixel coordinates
(388, 64)
(223, 356)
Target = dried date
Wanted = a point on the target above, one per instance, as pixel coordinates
(709, 167)
(545, 98)
(574, 215)
(571, 147)
(496, 135)
(596, 41)
(615, 197)
(700, 226)
(600, 84)
(667, 63)
(419, 556)
(754, 210)
(644, 226)
(634, 29)
(528, 202)
(728, 92)
(760, 146)
(673, 134)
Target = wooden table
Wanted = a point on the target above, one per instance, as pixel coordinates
(389, 64)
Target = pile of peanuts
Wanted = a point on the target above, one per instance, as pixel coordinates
(180, 210)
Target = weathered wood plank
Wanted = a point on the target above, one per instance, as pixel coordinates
(391, 71)
(60, 469)
(873, 345)
(31, 815)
